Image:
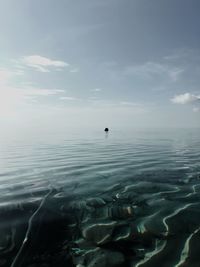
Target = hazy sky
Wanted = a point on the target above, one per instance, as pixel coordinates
(100, 62)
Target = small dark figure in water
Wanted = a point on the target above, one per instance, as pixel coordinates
(106, 129)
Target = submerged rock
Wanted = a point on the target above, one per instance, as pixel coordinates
(105, 258)
(95, 202)
(120, 212)
(113, 187)
(122, 233)
(98, 233)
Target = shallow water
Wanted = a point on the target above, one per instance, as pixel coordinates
(126, 198)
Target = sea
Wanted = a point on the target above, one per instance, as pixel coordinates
(88, 198)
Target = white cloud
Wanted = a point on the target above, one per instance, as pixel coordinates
(175, 73)
(149, 69)
(127, 103)
(93, 98)
(13, 96)
(43, 64)
(9, 94)
(6, 75)
(96, 90)
(183, 54)
(68, 98)
(119, 105)
(39, 91)
(74, 70)
(185, 98)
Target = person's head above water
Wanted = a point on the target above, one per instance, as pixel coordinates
(106, 129)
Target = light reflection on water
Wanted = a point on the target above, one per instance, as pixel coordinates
(88, 163)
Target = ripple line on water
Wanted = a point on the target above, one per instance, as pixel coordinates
(29, 228)
(172, 215)
(12, 245)
(185, 251)
(159, 246)
(177, 189)
(193, 190)
(141, 226)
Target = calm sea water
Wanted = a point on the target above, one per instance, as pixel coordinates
(85, 198)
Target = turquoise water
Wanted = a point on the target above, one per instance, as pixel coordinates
(87, 198)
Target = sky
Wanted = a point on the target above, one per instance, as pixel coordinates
(96, 63)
